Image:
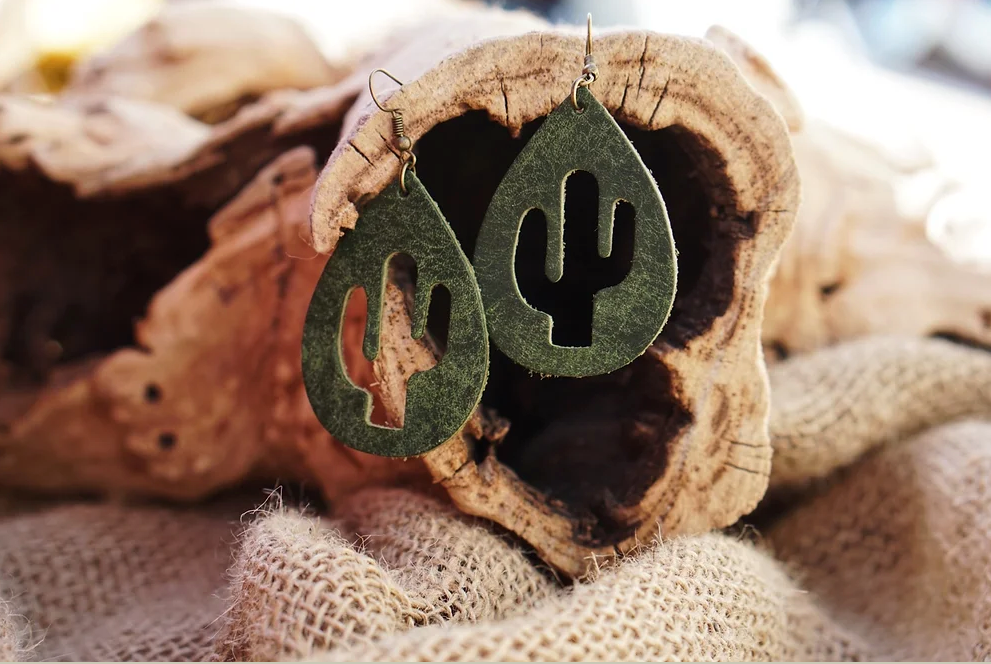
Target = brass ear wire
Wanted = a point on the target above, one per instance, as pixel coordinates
(588, 36)
(400, 140)
(589, 72)
(371, 90)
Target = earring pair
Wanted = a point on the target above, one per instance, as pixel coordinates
(578, 135)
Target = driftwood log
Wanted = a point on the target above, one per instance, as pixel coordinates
(583, 468)
(180, 58)
(89, 403)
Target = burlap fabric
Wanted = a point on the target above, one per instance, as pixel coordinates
(877, 546)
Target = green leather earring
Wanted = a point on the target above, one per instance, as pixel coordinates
(579, 135)
(403, 219)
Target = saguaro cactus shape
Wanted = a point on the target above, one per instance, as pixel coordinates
(570, 300)
(439, 400)
(626, 317)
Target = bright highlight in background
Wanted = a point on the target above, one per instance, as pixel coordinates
(33, 30)
(75, 26)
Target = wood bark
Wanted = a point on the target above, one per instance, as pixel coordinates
(677, 441)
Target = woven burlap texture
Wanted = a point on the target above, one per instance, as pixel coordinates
(876, 545)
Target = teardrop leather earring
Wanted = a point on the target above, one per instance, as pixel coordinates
(403, 219)
(579, 135)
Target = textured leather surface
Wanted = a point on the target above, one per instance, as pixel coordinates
(439, 400)
(626, 317)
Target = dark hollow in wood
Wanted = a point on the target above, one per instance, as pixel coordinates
(77, 273)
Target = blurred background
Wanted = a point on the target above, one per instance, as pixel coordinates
(913, 75)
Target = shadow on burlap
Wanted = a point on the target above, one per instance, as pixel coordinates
(888, 557)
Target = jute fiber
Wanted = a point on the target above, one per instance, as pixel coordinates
(875, 543)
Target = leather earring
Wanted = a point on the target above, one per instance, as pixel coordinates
(402, 219)
(579, 135)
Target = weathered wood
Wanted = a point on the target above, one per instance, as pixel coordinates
(103, 201)
(677, 441)
(760, 74)
(578, 468)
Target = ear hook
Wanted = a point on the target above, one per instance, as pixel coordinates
(588, 37)
(589, 72)
(371, 90)
(401, 141)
